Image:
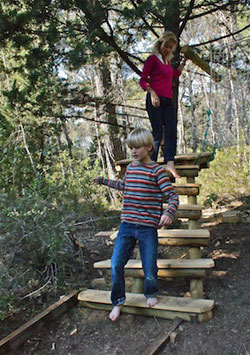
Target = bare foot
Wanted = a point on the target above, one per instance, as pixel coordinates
(152, 301)
(115, 313)
(171, 168)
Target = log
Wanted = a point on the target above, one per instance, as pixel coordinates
(138, 283)
(205, 317)
(12, 341)
(159, 343)
(196, 288)
(195, 253)
(196, 59)
(196, 285)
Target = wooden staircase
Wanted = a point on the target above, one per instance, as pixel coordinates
(193, 268)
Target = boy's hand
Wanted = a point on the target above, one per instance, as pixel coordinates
(165, 221)
(95, 180)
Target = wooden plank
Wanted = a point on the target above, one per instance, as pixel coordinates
(187, 189)
(162, 264)
(148, 312)
(186, 185)
(159, 343)
(169, 233)
(164, 273)
(191, 242)
(184, 233)
(183, 170)
(169, 273)
(12, 341)
(186, 167)
(191, 207)
(179, 304)
(182, 213)
(187, 170)
(180, 158)
(191, 156)
(104, 234)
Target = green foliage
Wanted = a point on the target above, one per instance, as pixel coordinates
(35, 229)
(228, 175)
(210, 199)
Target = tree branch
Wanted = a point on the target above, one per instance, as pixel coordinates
(186, 18)
(216, 8)
(217, 39)
(144, 20)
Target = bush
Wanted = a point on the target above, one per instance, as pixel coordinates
(34, 234)
(228, 175)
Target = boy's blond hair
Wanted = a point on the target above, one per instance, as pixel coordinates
(167, 36)
(140, 137)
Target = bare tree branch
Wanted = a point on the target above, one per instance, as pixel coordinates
(214, 9)
(144, 20)
(186, 18)
(217, 39)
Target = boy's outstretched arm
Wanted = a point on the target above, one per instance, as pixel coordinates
(115, 184)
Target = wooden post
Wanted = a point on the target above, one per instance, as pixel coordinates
(192, 200)
(190, 54)
(196, 285)
(138, 282)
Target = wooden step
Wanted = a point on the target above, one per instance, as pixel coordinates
(167, 268)
(167, 307)
(191, 207)
(187, 170)
(187, 189)
(167, 233)
(174, 237)
(162, 264)
(182, 170)
(192, 157)
(184, 237)
(180, 159)
(187, 211)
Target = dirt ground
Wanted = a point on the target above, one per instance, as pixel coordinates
(90, 332)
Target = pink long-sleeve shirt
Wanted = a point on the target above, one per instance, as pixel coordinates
(158, 76)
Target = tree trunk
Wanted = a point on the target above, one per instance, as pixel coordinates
(193, 118)
(107, 111)
(182, 138)
(172, 23)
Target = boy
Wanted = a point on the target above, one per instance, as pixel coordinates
(144, 185)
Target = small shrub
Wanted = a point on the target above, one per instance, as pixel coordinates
(210, 199)
(227, 177)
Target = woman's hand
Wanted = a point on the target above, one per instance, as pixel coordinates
(155, 99)
(165, 221)
(182, 65)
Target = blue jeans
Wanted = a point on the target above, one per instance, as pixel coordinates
(163, 117)
(147, 238)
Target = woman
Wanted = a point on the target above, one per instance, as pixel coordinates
(156, 79)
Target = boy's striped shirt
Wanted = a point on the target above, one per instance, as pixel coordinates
(144, 186)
